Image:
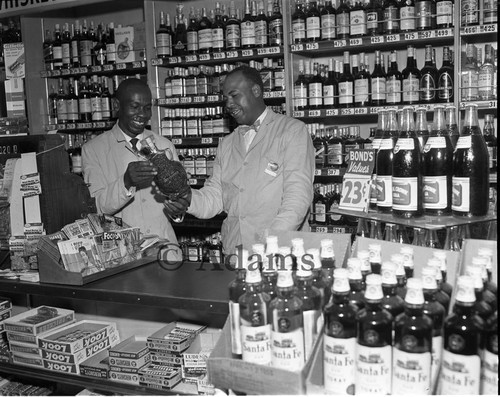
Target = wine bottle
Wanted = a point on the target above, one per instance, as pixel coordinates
(204, 33)
(299, 23)
(375, 258)
(48, 50)
(412, 345)
(391, 301)
(401, 279)
(374, 342)
(366, 268)
(57, 48)
(328, 21)
(463, 334)
(327, 255)
(423, 10)
(62, 110)
(315, 89)
(407, 13)
(374, 17)
(300, 89)
(357, 19)
(261, 27)
(342, 18)
(451, 125)
(445, 81)
(110, 45)
(75, 46)
(393, 81)
(66, 47)
(489, 375)
(163, 39)
(276, 25)
(486, 77)
(247, 28)
(470, 169)
(313, 22)
(391, 17)
(339, 339)
(379, 132)
(330, 88)
(491, 141)
(361, 83)
(378, 82)
(428, 79)
(237, 288)
(346, 84)
(356, 284)
(411, 79)
(85, 46)
(192, 33)
(444, 14)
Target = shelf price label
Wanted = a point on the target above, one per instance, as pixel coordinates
(71, 126)
(377, 39)
(314, 113)
(444, 33)
(247, 53)
(312, 46)
(339, 43)
(96, 69)
(156, 62)
(346, 112)
(137, 64)
(191, 58)
(360, 110)
(219, 55)
(109, 68)
(207, 141)
(177, 141)
(492, 104)
(186, 99)
(317, 172)
(213, 98)
(321, 229)
(193, 181)
(392, 38)
(121, 66)
(199, 99)
(65, 72)
(489, 28)
(297, 47)
(268, 50)
(232, 54)
(333, 172)
(331, 112)
(298, 113)
(357, 41)
(428, 34)
(411, 36)
(357, 180)
(471, 29)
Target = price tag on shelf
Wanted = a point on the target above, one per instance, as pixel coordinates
(109, 68)
(339, 43)
(71, 126)
(333, 171)
(346, 112)
(357, 180)
(44, 74)
(172, 60)
(377, 39)
(427, 34)
(177, 141)
(199, 99)
(193, 181)
(55, 73)
(247, 53)
(489, 28)
(358, 41)
(321, 229)
(156, 62)
(213, 98)
(444, 33)
(411, 36)
(96, 69)
(297, 47)
(317, 172)
(219, 55)
(207, 141)
(232, 54)
(137, 64)
(65, 72)
(186, 99)
(298, 113)
(121, 66)
(492, 104)
(392, 38)
(312, 46)
(360, 110)
(471, 29)
(331, 112)
(191, 58)
(314, 113)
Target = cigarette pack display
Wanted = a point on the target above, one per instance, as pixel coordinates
(38, 320)
(77, 336)
(131, 348)
(118, 364)
(196, 356)
(25, 338)
(5, 314)
(61, 367)
(175, 336)
(132, 379)
(26, 348)
(169, 382)
(96, 366)
(27, 359)
(5, 304)
(170, 359)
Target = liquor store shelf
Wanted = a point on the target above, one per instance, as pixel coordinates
(73, 127)
(94, 383)
(479, 30)
(209, 99)
(333, 229)
(424, 222)
(217, 57)
(329, 172)
(389, 41)
(367, 110)
(195, 141)
(132, 67)
(480, 104)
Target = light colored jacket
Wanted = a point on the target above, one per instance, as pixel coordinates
(105, 159)
(254, 195)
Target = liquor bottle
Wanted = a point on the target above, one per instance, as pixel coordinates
(361, 84)
(247, 28)
(84, 104)
(75, 46)
(276, 25)
(378, 83)
(356, 284)
(254, 324)
(333, 217)
(163, 39)
(357, 19)
(470, 75)
(52, 105)
(192, 33)
(441, 296)
(423, 11)
(328, 21)
(491, 141)
(374, 342)
(66, 46)
(62, 110)
(327, 255)
(313, 21)
(382, 119)
(315, 89)
(445, 81)
(57, 48)
(105, 100)
(486, 75)
(346, 83)
(85, 46)
(204, 33)
(391, 17)
(179, 36)
(343, 20)
(489, 375)
(412, 345)
(445, 286)
(374, 18)
(287, 325)
(463, 334)
(451, 125)
(99, 50)
(401, 279)
(72, 101)
(300, 89)
(444, 14)
(95, 99)
(482, 308)
(299, 23)
(233, 29)
(339, 339)
(437, 168)
(391, 301)
(311, 302)
(393, 81)
(48, 50)
(470, 169)
(469, 13)
(218, 30)
(407, 13)
(330, 88)
(384, 159)
(411, 79)
(484, 259)
(76, 156)
(406, 171)
(428, 79)
(110, 45)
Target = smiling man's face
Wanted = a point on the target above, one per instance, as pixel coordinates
(135, 110)
(243, 99)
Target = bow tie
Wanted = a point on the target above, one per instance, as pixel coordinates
(245, 128)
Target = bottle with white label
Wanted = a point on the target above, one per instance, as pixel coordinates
(441, 296)
(489, 371)
(377, 139)
(406, 171)
(327, 255)
(391, 301)
(287, 324)
(254, 323)
(311, 302)
(412, 345)
(374, 342)
(237, 288)
(442, 256)
(269, 270)
(437, 313)
(463, 334)
(482, 308)
(339, 339)
(356, 284)
(411, 79)
(318, 281)
(375, 252)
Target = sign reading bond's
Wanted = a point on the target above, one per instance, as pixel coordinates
(357, 180)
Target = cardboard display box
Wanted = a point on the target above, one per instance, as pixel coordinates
(40, 319)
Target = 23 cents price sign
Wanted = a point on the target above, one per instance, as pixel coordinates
(357, 180)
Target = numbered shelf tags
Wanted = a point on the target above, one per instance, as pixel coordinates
(357, 180)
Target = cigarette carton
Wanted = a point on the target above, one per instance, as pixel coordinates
(174, 337)
(39, 320)
(123, 377)
(25, 348)
(61, 367)
(96, 366)
(27, 359)
(132, 348)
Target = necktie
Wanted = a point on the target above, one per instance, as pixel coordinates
(133, 143)
(245, 128)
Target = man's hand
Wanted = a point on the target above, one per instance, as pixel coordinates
(179, 206)
(139, 174)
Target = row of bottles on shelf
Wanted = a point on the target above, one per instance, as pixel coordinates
(202, 248)
(208, 80)
(210, 122)
(327, 198)
(478, 80)
(318, 88)
(222, 30)
(343, 19)
(431, 175)
(198, 162)
(81, 44)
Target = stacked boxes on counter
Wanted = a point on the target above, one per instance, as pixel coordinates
(5, 312)
(127, 358)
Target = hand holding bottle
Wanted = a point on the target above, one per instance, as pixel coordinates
(139, 174)
(176, 208)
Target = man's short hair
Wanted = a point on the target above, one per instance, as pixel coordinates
(130, 85)
(250, 74)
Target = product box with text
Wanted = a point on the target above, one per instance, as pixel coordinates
(40, 319)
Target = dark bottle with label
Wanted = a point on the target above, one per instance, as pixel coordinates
(233, 29)
(482, 308)
(346, 84)
(374, 339)
(84, 103)
(378, 82)
(391, 17)
(110, 45)
(334, 218)
(85, 46)
(261, 27)
(451, 125)
(192, 33)
(340, 338)
(276, 25)
(313, 21)
(428, 79)
(406, 171)
(318, 282)
(300, 89)
(491, 141)
(357, 16)
(393, 81)
(377, 139)
(361, 83)
(57, 48)
(463, 344)
(66, 47)
(328, 21)
(470, 169)
(356, 284)
(343, 20)
(391, 301)
(204, 33)
(237, 288)
(330, 88)
(424, 14)
(411, 79)
(441, 296)
(72, 101)
(315, 89)
(407, 12)
(327, 256)
(48, 50)
(163, 39)
(374, 18)
(437, 167)
(445, 85)
(412, 345)
(384, 159)
(179, 42)
(299, 23)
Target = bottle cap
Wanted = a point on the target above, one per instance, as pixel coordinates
(389, 273)
(407, 253)
(400, 269)
(285, 279)
(298, 247)
(375, 250)
(475, 272)
(429, 278)
(373, 287)
(487, 253)
(436, 264)
(414, 294)
(284, 259)
(364, 256)
(481, 262)
(340, 280)
(441, 255)
(314, 252)
(271, 244)
(304, 269)
(397, 259)
(354, 268)
(253, 277)
(327, 248)
(465, 290)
